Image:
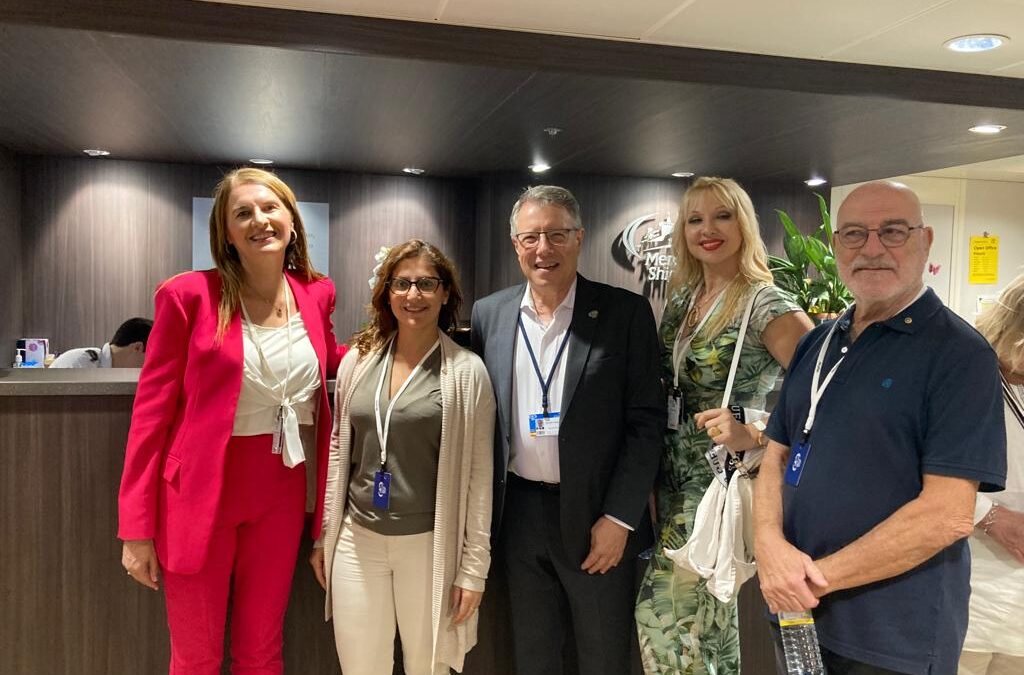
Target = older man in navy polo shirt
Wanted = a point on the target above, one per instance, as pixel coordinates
(890, 419)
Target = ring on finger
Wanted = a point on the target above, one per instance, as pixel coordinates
(713, 431)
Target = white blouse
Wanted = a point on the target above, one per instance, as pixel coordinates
(261, 395)
(997, 579)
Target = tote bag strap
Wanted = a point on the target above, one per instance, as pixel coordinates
(1016, 405)
(727, 394)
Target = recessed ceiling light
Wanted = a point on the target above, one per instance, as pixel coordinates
(413, 170)
(96, 152)
(683, 174)
(987, 128)
(552, 131)
(539, 167)
(259, 160)
(815, 182)
(969, 44)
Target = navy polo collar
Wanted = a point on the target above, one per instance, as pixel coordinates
(907, 321)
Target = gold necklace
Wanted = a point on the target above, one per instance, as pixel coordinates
(278, 309)
(693, 316)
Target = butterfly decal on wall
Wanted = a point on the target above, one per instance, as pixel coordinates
(933, 269)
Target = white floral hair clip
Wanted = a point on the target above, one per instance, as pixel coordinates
(378, 258)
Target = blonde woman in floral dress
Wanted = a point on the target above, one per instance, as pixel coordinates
(721, 262)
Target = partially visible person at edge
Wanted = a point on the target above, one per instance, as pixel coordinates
(231, 412)
(406, 528)
(721, 266)
(127, 349)
(574, 365)
(889, 420)
(995, 633)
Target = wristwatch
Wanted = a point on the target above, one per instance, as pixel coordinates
(762, 440)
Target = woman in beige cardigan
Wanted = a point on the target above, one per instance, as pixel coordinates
(408, 506)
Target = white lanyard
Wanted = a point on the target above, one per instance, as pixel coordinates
(818, 390)
(383, 429)
(254, 336)
(682, 344)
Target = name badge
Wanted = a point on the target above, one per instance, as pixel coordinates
(718, 457)
(675, 409)
(544, 424)
(381, 489)
(277, 442)
(797, 461)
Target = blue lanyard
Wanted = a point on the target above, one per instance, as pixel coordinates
(544, 384)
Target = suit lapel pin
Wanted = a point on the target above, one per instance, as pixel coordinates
(592, 314)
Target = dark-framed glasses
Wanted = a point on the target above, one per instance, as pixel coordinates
(555, 237)
(892, 235)
(425, 285)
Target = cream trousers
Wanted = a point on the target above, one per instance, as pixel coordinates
(986, 663)
(378, 580)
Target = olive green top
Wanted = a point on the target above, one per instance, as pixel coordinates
(414, 441)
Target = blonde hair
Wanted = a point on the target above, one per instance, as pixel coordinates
(753, 258)
(382, 319)
(1002, 324)
(225, 257)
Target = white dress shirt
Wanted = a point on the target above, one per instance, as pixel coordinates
(537, 458)
(85, 357)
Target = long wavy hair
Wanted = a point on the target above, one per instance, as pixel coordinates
(1002, 324)
(382, 320)
(225, 257)
(753, 262)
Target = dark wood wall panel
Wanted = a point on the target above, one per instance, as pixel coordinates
(369, 211)
(10, 256)
(99, 235)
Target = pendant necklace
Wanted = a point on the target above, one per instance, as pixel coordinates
(278, 309)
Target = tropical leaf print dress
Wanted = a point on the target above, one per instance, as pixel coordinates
(683, 629)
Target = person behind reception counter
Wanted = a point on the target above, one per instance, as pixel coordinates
(127, 349)
(406, 524)
(231, 405)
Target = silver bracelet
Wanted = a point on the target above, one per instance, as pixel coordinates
(990, 518)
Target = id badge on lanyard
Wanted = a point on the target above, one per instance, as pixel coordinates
(800, 452)
(382, 478)
(546, 422)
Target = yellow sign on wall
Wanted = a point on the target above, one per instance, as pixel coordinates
(984, 260)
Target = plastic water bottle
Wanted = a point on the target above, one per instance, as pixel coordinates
(800, 644)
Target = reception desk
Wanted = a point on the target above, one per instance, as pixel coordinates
(66, 605)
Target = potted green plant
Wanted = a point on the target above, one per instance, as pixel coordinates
(819, 292)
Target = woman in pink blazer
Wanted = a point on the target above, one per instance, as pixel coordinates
(230, 409)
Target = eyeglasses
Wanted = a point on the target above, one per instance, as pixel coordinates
(892, 235)
(555, 237)
(425, 285)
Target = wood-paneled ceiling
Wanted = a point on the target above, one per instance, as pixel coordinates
(197, 82)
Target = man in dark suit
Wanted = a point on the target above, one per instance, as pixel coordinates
(574, 366)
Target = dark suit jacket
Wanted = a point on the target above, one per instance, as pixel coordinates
(613, 407)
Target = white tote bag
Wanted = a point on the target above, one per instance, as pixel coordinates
(721, 546)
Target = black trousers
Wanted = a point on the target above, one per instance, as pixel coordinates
(552, 599)
(834, 663)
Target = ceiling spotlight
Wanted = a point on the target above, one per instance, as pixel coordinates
(539, 167)
(987, 128)
(96, 152)
(683, 174)
(258, 160)
(552, 131)
(413, 170)
(815, 182)
(970, 44)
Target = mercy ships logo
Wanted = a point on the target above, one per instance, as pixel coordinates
(648, 242)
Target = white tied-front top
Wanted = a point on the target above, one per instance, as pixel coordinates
(263, 378)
